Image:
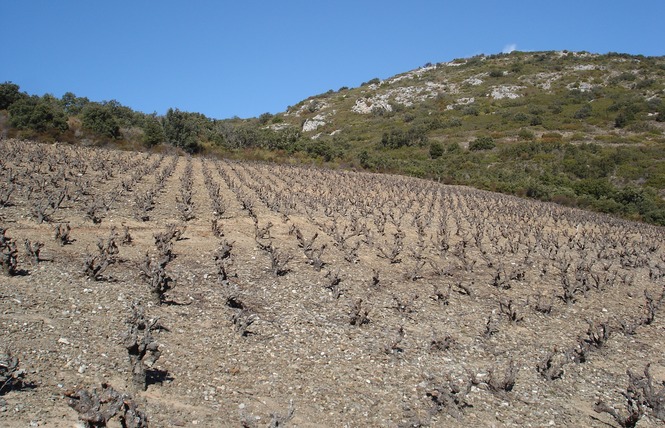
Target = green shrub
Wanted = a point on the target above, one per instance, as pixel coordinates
(526, 134)
(482, 143)
(456, 122)
(454, 148)
(622, 119)
(521, 117)
(435, 150)
(470, 110)
(584, 112)
(536, 120)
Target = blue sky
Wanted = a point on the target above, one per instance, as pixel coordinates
(243, 58)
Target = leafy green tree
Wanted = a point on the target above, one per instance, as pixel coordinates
(153, 131)
(9, 94)
(100, 119)
(39, 114)
(72, 104)
(124, 116)
(181, 130)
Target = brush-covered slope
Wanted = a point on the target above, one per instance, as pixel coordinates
(578, 128)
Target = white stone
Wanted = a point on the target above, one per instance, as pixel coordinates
(506, 91)
(314, 123)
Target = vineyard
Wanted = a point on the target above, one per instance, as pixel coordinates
(178, 291)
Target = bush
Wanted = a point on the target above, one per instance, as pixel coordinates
(583, 112)
(435, 150)
(598, 188)
(454, 148)
(482, 143)
(374, 81)
(470, 110)
(320, 148)
(551, 137)
(456, 122)
(622, 119)
(521, 117)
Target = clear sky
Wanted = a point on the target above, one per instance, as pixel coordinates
(243, 58)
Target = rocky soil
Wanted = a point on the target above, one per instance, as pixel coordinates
(338, 299)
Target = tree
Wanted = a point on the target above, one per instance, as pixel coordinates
(153, 131)
(9, 94)
(73, 104)
(100, 119)
(38, 113)
(181, 130)
(124, 116)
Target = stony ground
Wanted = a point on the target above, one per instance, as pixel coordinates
(347, 299)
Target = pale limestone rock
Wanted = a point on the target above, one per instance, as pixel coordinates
(314, 123)
(506, 91)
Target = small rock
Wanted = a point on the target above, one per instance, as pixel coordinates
(64, 341)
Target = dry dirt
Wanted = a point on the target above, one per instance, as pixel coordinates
(434, 266)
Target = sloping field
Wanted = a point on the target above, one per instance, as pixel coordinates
(268, 294)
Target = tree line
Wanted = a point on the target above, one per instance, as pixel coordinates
(77, 119)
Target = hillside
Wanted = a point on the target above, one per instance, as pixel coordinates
(213, 293)
(575, 128)
(579, 129)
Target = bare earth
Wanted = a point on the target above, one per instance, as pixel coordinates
(407, 309)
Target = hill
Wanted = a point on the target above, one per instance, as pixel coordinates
(213, 292)
(580, 129)
(575, 128)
